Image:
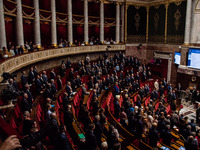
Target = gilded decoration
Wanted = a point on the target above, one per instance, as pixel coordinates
(137, 21)
(177, 17)
(157, 6)
(137, 7)
(8, 19)
(156, 19)
(178, 3)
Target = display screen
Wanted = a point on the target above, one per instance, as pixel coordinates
(194, 58)
(177, 58)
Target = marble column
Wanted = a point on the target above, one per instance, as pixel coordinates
(2, 27)
(102, 21)
(188, 22)
(122, 25)
(53, 24)
(70, 25)
(37, 24)
(19, 24)
(117, 30)
(86, 22)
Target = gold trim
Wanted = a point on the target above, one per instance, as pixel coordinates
(186, 44)
(54, 45)
(166, 15)
(147, 25)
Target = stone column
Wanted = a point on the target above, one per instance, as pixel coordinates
(117, 34)
(53, 24)
(147, 26)
(19, 24)
(70, 25)
(86, 21)
(188, 22)
(166, 15)
(122, 25)
(2, 27)
(37, 24)
(102, 21)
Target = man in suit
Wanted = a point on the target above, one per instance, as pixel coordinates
(91, 83)
(68, 63)
(98, 129)
(116, 89)
(71, 74)
(31, 76)
(53, 87)
(144, 76)
(48, 92)
(59, 83)
(137, 77)
(78, 81)
(91, 142)
(35, 71)
(198, 96)
(62, 140)
(69, 88)
(30, 96)
(25, 104)
(39, 85)
(52, 74)
(24, 79)
(44, 77)
(146, 89)
(68, 116)
(117, 106)
(84, 91)
(153, 136)
(167, 136)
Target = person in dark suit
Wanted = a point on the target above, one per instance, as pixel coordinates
(144, 76)
(15, 83)
(59, 83)
(71, 74)
(78, 81)
(62, 140)
(116, 89)
(153, 136)
(91, 83)
(48, 92)
(30, 96)
(91, 142)
(167, 136)
(98, 129)
(179, 90)
(44, 77)
(53, 87)
(69, 88)
(24, 80)
(52, 74)
(117, 106)
(62, 70)
(137, 77)
(198, 96)
(39, 85)
(25, 104)
(68, 63)
(68, 116)
(35, 71)
(31, 76)
(193, 126)
(190, 144)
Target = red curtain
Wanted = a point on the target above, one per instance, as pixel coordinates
(27, 2)
(110, 10)
(61, 32)
(10, 31)
(78, 32)
(61, 6)
(45, 4)
(77, 7)
(94, 31)
(94, 9)
(28, 31)
(109, 32)
(45, 34)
